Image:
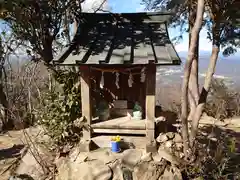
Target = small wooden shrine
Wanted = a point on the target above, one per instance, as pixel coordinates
(117, 55)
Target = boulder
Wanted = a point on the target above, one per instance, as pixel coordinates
(165, 154)
(171, 173)
(179, 146)
(177, 138)
(131, 157)
(170, 135)
(160, 119)
(148, 171)
(63, 168)
(157, 158)
(116, 170)
(146, 157)
(169, 144)
(162, 138)
(35, 163)
(100, 154)
(91, 170)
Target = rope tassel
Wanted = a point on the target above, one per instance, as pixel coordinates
(102, 81)
(130, 80)
(143, 75)
(117, 80)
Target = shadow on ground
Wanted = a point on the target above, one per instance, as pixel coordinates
(11, 152)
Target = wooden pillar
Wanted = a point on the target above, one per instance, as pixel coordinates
(86, 100)
(150, 107)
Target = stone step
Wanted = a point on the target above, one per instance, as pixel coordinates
(104, 141)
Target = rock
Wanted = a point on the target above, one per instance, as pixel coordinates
(131, 157)
(171, 173)
(146, 157)
(160, 119)
(100, 154)
(233, 122)
(170, 135)
(213, 139)
(181, 155)
(156, 157)
(35, 164)
(80, 122)
(169, 144)
(84, 171)
(179, 146)
(162, 138)
(151, 146)
(97, 171)
(63, 168)
(147, 171)
(163, 153)
(103, 155)
(177, 138)
(117, 170)
(78, 157)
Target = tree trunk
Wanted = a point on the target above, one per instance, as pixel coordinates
(207, 84)
(187, 70)
(204, 93)
(193, 91)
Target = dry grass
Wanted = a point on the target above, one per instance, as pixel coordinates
(223, 102)
(23, 87)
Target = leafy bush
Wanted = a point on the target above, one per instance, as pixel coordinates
(61, 108)
(222, 102)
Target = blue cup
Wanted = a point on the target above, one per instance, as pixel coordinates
(115, 146)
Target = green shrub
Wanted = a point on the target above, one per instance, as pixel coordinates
(61, 107)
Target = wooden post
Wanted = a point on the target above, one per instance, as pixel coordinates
(86, 100)
(150, 107)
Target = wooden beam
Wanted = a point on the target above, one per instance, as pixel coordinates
(119, 131)
(86, 99)
(150, 102)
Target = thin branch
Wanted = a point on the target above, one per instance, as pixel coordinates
(100, 7)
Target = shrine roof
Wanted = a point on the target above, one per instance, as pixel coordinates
(113, 39)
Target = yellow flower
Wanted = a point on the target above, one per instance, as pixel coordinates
(116, 139)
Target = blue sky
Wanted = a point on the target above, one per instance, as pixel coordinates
(121, 6)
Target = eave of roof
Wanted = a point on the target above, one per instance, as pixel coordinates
(127, 38)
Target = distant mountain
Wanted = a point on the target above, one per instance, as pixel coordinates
(208, 54)
(227, 69)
